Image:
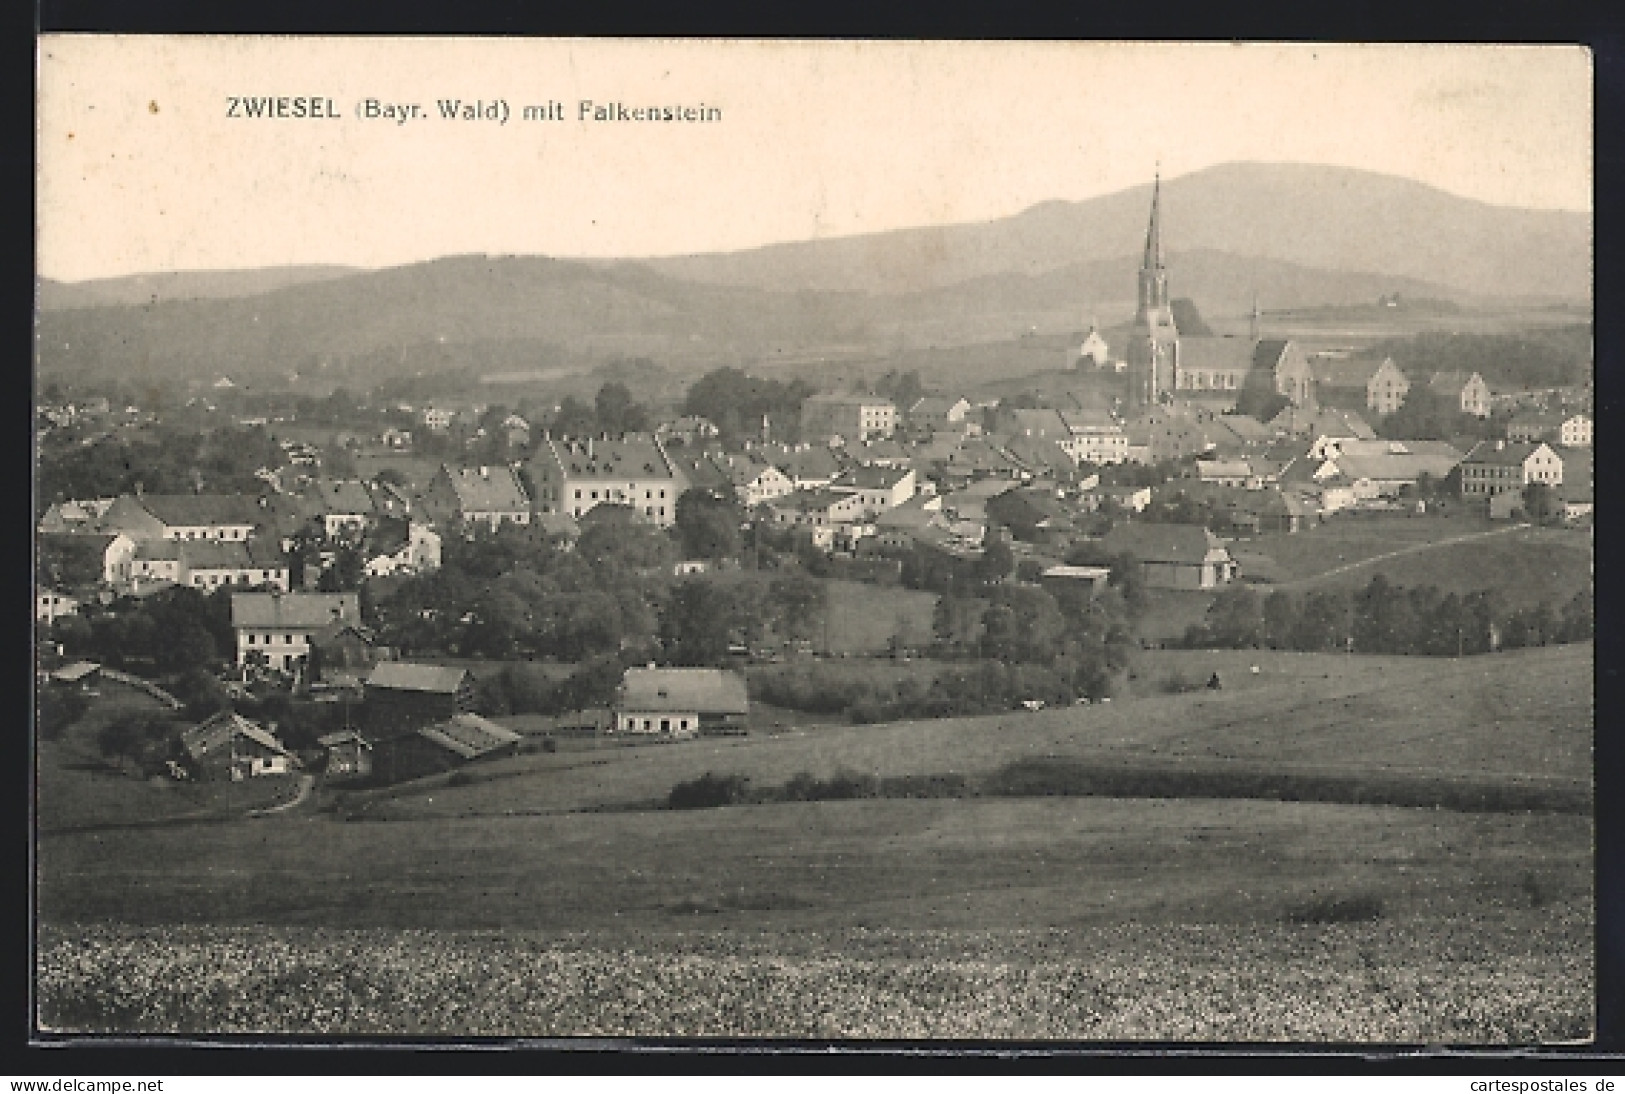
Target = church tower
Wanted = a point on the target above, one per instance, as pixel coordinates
(1153, 342)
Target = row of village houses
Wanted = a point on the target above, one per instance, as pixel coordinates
(413, 720)
(872, 491)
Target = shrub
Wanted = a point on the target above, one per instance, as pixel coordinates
(58, 709)
(1329, 908)
(708, 792)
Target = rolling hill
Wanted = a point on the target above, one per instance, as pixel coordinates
(1296, 235)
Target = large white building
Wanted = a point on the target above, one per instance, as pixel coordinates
(573, 477)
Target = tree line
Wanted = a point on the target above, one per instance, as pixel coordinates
(1382, 617)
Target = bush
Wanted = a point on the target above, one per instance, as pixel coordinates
(708, 792)
(1360, 908)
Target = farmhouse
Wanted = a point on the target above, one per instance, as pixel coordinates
(349, 754)
(1174, 556)
(572, 477)
(402, 695)
(210, 564)
(681, 702)
(345, 506)
(1493, 468)
(229, 746)
(440, 746)
(76, 560)
(279, 627)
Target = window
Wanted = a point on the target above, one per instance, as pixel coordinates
(251, 640)
(646, 724)
(287, 640)
(578, 495)
(665, 725)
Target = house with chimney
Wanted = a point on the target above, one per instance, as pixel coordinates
(468, 498)
(574, 476)
(277, 629)
(1495, 468)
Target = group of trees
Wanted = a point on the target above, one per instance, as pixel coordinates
(160, 459)
(737, 404)
(613, 411)
(1543, 358)
(172, 631)
(1385, 618)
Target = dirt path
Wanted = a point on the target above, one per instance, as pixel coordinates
(1414, 548)
(306, 782)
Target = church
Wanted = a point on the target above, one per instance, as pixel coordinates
(1210, 371)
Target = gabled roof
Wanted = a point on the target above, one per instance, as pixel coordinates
(252, 553)
(1090, 421)
(340, 496)
(1185, 543)
(815, 462)
(1324, 421)
(873, 478)
(1509, 455)
(79, 670)
(469, 735)
(628, 458)
(1041, 423)
(1397, 467)
(302, 610)
(217, 731)
(201, 510)
(1351, 372)
(409, 676)
(703, 691)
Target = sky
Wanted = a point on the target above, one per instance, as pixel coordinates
(142, 169)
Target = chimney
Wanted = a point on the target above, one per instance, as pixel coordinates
(1500, 444)
(589, 447)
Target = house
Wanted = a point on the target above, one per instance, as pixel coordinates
(440, 746)
(1091, 579)
(1237, 473)
(808, 465)
(818, 508)
(349, 754)
(689, 429)
(1463, 391)
(573, 476)
(438, 419)
(851, 419)
(1163, 434)
(470, 497)
(938, 413)
(229, 746)
(1355, 384)
(402, 695)
(877, 488)
(1383, 469)
(276, 629)
(1133, 499)
(1094, 349)
(343, 653)
(81, 675)
(1094, 437)
(1575, 432)
(182, 516)
(75, 560)
(400, 545)
(209, 564)
(895, 529)
(51, 605)
(753, 478)
(344, 506)
(681, 702)
(1496, 467)
(74, 516)
(516, 431)
(1174, 556)
(1321, 422)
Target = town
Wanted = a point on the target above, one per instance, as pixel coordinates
(596, 551)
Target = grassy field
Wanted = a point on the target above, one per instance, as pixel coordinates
(863, 618)
(1517, 715)
(992, 917)
(77, 787)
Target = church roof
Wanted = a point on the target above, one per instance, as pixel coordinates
(1216, 352)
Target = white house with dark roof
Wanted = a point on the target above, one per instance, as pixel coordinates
(280, 626)
(182, 516)
(1174, 556)
(345, 506)
(574, 476)
(1493, 468)
(474, 496)
(681, 702)
(877, 488)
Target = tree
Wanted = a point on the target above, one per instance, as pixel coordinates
(996, 562)
(1260, 402)
(695, 622)
(708, 525)
(798, 600)
(616, 412)
(1540, 503)
(143, 739)
(574, 418)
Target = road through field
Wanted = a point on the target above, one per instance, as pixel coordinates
(1414, 548)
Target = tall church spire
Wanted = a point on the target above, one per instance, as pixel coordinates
(1257, 315)
(1153, 274)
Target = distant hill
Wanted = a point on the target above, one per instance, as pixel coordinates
(1328, 218)
(157, 288)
